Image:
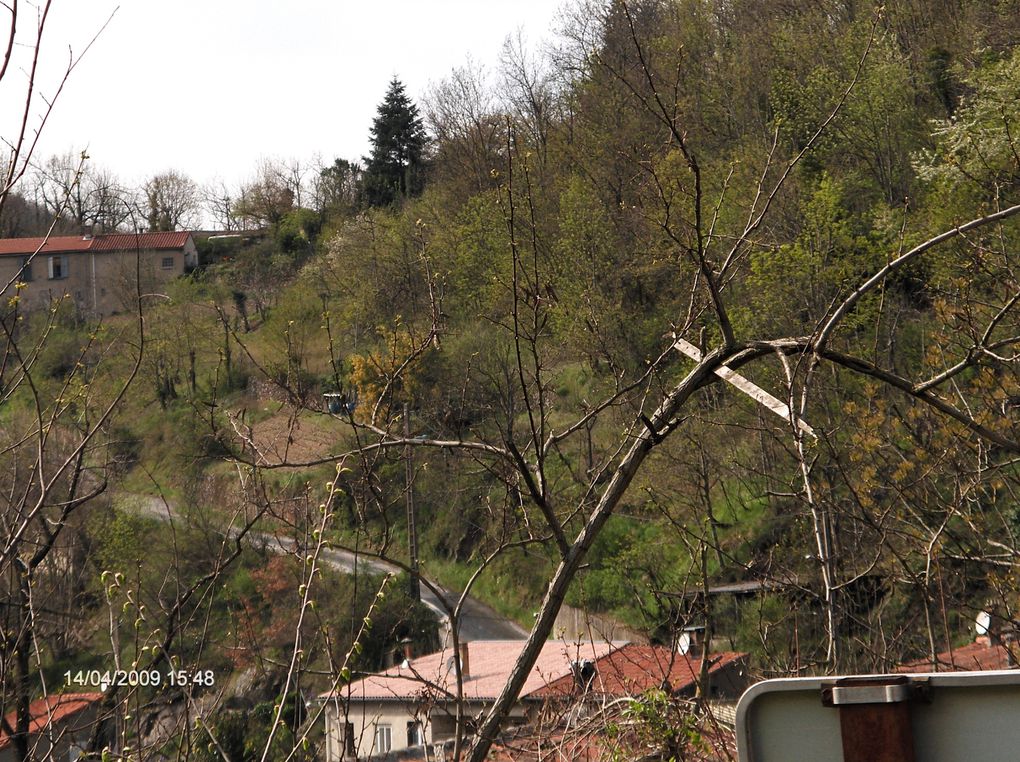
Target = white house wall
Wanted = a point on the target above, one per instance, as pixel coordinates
(367, 716)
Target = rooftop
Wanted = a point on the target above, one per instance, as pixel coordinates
(982, 654)
(634, 669)
(489, 666)
(620, 669)
(70, 244)
(50, 710)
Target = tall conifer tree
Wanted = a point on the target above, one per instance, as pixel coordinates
(395, 169)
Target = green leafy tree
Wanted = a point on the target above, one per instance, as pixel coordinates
(338, 189)
(396, 167)
(977, 156)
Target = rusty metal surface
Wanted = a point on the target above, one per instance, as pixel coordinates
(877, 732)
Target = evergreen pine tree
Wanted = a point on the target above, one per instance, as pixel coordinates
(396, 166)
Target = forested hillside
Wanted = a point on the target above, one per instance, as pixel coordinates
(524, 310)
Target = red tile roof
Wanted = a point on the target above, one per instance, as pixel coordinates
(489, 665)
(131, 241)
(634, 669)
(973, 657)
(61, 243)
(621, 669)
(67, 244)
(50, 710)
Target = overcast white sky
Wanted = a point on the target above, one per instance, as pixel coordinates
(210, 86)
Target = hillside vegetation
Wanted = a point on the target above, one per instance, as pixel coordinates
(497, 299)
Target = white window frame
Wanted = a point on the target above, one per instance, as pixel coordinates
(383, 739)
(62, 269)
(167, 263)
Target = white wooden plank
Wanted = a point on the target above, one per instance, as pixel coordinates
(753, 391)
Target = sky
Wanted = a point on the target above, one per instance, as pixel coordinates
(209, 87)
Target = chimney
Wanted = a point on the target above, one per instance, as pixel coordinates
(408, 647)
(584, 671)
(465, 664)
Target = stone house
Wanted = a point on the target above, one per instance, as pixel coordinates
(101, 274)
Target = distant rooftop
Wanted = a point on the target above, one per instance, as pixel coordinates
(620, 669)
(49, 710)
(983, 654)
(70, 244)
(489, 666)
(633, 669)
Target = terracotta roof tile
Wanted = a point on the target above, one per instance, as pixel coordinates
(66, 244)
(621, 669)
(489, 665)
(49, 710)
(634, 669)
(131, 241)
(53, 244)
(974, 657)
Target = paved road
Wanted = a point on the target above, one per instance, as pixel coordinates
(477, 621)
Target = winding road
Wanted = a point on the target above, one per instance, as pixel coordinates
(477, 621)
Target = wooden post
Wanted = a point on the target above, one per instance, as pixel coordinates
(874, 718)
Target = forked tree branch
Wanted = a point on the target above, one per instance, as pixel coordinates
(875, 280)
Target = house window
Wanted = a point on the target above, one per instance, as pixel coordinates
(168, 263)
(57, 267)
(415, 734)
(383, 739)
(26, 270)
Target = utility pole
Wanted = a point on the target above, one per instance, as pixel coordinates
(412, 527)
